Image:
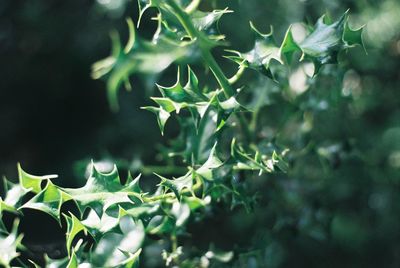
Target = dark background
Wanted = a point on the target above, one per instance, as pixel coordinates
(54, 118)
(52, 113)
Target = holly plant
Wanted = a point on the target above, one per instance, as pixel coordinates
(223, 151)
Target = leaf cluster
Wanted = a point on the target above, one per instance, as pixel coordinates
(219, 144)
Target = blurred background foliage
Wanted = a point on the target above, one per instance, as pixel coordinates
(339, 205)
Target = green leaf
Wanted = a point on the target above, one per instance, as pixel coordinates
(133, 183)
(161, 225)
(208, 170)
(31, 182)
(353, 37)
(321, 46)
(9, 245)
(74, 226)
(138, 57)
(289, 45)
(192, 84)
(204, 20)
(195, 203)
(246, 161)
(326, 40)
(49, 200)
(176, 92)
(132, 36)
(177, 97)
(181, 212)
(168, 105)
(144, 212)
(143, 5)
(114, 249)
(13, 197)
(279, 162)
(324, 43)
(259, 58)
(97, 226)
(73, 261)
(188, 94)
(6, 207)
(177, 185)
(102, 191)
(57, 263)
(132, 261)
(162, 116)
(226, 108)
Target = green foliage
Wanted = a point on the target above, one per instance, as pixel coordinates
(10, 244)
(220, 143)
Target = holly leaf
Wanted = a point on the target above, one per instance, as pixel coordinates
(181, 212)
(321, 45)
(97, 226)
(73, 261)
(132, 260)
(289, 46)
(138, 57)
(161, 225)
(144, 212)
(177, 185)
(325, 41)
(225, 108)
(13, 197)
(205, 20)
(209, 170)
(162, 116)
(74, 227)
(58, 263)
(195, 203)
(177, 97)
(32, 182)
(49, 200)
(115, 249)
(9, 245)
(255, 160)
(102, 191)
(265, 50)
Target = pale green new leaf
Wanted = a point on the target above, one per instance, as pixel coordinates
(74, 227)
(73, 261)
(31, 182)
